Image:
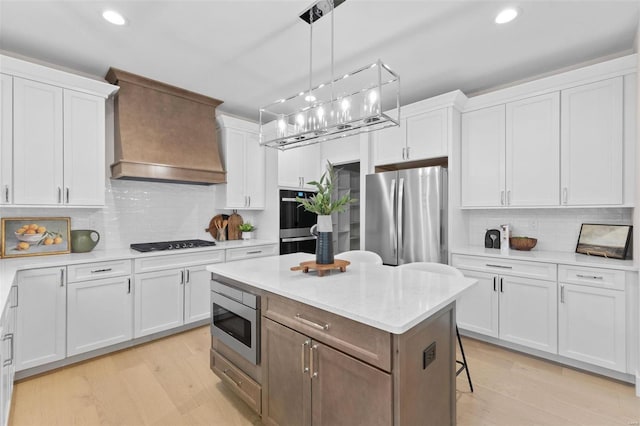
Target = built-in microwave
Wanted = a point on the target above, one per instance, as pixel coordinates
(235, 319)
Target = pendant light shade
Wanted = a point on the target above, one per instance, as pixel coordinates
(347, 105)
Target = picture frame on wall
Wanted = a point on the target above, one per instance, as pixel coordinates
(610, 241)
(35, 236)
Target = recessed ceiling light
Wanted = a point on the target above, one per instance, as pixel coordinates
(114, 17)
(506, 15)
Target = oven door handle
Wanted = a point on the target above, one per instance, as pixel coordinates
(293, 240)
(289, 200)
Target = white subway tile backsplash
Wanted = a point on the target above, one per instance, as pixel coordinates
(555, 229)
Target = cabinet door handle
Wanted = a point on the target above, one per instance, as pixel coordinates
(95, 271)
(564, 195)
(182, 277)
(59, 195)
(508, 197)
(501, 288)
(312, 351)
(249, 197)
(128, 285)
(592, 277)
(494, 284)
(67, 194)
(408, 152)
(490, 265)
(403, 153)
(502, 198)
(226, 373)
(313, 324)
(16, 291)
(8, 336)
(62, 277)
(562, 294)
(6, 193)
(303, 364)
(188, 276)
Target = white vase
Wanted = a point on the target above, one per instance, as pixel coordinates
(247, 235)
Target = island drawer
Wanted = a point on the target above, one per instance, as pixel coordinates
(249, 252)
(244, 386)
(96, 270)
(537, 270)
(361, 341)
(594, 277)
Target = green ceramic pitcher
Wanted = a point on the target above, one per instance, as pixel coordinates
(82, 240)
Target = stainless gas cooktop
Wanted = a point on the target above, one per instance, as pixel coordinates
(171, 245)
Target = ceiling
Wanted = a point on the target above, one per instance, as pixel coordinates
(251, 53)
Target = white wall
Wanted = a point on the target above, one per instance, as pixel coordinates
(555, 229)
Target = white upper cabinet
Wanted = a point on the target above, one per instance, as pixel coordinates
(37, 143)
(84, 149)
(483, 157)
(592, 144)
(533, 151)
(340, 151)
(419, 137)
(298, 166)
(245, 163)
(52, 150)
(6, 139)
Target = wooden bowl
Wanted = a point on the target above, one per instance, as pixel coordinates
(522, 243)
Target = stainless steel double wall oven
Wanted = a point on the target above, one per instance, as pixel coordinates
(295, 223)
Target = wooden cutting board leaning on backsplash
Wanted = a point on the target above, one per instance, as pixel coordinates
(235, 220)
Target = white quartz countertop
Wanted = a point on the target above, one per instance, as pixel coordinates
(563, 258)
(9, 267)
(385, 297)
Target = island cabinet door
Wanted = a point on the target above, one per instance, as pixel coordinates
(345, 391)
(286, 395)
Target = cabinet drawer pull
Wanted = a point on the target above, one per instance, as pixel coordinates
(95, 271)
(67, 194)
(498, 266)
(313, 324)
(403, 151)
(564, 195)
(62, 277)
(254, 252)
(188, 276)
(509, 197)
(6, 193)
(494, 284)
(501, 287)
(561, 294)
(226, 373)
(591, 277)
(128, 285)
(182, 277)
(305, 369)
(59, 195)
(502, 198)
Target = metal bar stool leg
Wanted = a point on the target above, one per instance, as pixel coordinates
(463, 363)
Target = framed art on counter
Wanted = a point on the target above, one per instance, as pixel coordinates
(35, 236)
(611, 241)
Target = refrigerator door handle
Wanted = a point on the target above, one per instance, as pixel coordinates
(393, 229)
(400, 221)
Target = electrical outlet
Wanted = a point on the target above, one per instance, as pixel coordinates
(428, 355)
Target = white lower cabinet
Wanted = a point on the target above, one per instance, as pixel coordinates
(508, 304)
(197, 291)
(592, 325)
(41, 317)
(99, 314)
(159, 301)
(7, 357)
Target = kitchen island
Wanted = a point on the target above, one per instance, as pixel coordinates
(373, 345)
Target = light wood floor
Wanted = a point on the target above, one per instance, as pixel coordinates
(168, 382)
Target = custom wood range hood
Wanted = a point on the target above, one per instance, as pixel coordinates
(164, 133)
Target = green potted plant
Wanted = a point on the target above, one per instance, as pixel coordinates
(323, 203)
(247, 230)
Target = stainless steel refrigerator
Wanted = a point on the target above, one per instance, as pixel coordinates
(406, 215)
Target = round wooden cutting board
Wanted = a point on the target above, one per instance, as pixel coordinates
(219, 218)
